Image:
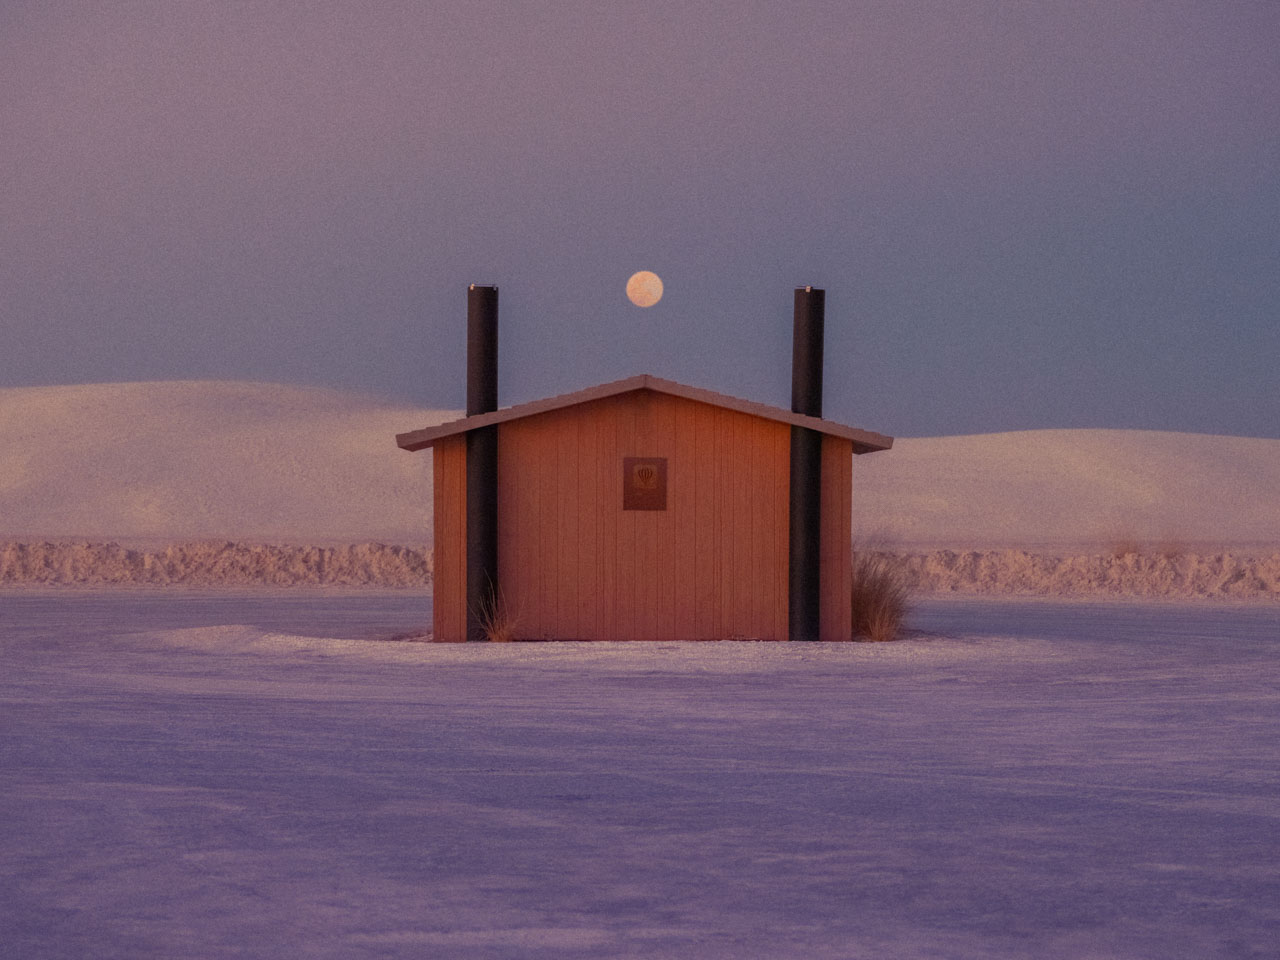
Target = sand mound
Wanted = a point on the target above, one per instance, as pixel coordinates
(1186, 576)
(221, 564)
(186, 460)
(992, 572)
(150, 464)
(1064, 490)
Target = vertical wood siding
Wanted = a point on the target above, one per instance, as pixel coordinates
(449, 577)
(835, 547)
(574, 565)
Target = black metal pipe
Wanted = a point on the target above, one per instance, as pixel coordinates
(804, 581)
(482, 349)
(482, 459)
(806, 351)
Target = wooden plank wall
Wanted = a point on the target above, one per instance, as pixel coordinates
(835, 546)
(449, 577)
(574, 565)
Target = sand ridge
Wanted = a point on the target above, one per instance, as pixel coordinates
(204, 482)
(182, 460)
(1169, 576)
(1222, 576)
(1072, 490)
(213, 563)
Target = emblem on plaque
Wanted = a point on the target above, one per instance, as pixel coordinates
(644, 483)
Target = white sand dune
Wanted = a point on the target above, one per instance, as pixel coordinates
(162, 468)
(1072, 490)
(197, 459)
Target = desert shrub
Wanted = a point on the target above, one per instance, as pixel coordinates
(879, 595)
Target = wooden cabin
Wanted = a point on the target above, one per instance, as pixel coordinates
(642, 509)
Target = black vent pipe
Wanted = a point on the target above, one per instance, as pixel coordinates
(804, 561)
(482, 459)
(482, 350)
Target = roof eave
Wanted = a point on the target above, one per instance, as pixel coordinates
(864, 441)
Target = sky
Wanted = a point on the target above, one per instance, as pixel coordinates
(1024, 215)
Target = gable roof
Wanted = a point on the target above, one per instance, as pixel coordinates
(864, 441)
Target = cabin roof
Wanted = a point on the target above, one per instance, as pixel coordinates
(864, 441)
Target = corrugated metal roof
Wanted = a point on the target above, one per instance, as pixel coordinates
(864, 441)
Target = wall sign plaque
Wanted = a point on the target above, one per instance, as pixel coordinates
(644, 483)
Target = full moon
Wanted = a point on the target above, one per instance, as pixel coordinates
(644, 289)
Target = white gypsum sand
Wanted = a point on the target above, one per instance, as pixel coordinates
(988, 572)
(1050, 780)
(186, 460)
(214, 482)
(1072, 492)
(1223, 576)
(218, 563)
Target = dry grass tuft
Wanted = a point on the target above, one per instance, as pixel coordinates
(879, 596)
(497, 620)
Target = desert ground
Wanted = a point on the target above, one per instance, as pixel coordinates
(211, 775)
(1071, 754)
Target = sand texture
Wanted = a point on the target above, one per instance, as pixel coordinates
(227, 776)
(186, 460)
(1072, 491)
(1186, 576)
(226, 564)
(987, 572)
(217, 482)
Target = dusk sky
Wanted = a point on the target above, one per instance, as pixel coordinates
(1024, 215)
